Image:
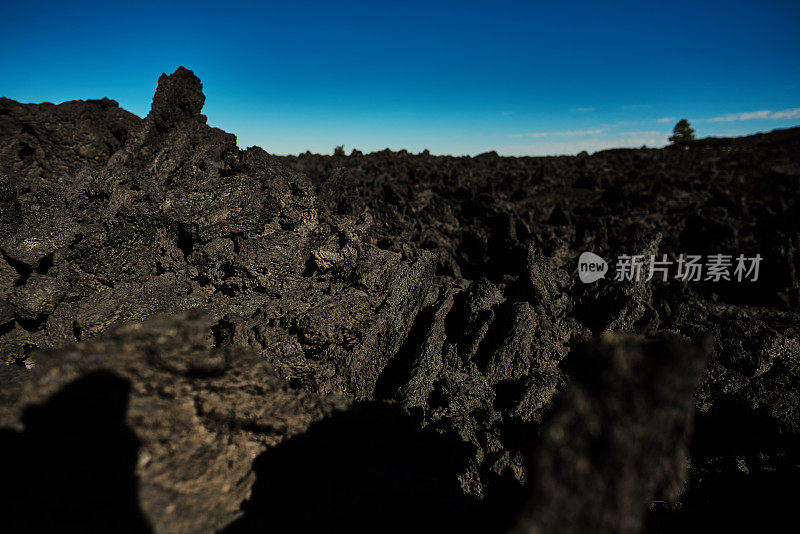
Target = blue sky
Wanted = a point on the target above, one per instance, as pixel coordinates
(522, 78)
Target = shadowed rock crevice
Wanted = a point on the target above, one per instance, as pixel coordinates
(72, 467)
(358, 469)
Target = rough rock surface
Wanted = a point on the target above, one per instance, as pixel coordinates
(153, 402)
(200, 338)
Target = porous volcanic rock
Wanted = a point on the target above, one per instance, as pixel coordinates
(196, 337)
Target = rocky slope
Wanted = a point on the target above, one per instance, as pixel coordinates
(200, 338)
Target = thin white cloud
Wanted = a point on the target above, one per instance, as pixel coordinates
(786, 114)
(646, 133)
(754, 115)
(764, 114)
(554, 147)
(583, 110)
(574, 133)
(665, 119)
(566, 133)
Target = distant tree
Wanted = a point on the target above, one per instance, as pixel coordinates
(339, 150)
(682, 132)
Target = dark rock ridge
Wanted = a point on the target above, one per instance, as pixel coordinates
(200, 338)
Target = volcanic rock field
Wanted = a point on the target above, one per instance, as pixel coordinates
(198, 338)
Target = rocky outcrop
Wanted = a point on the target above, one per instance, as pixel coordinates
(196, 337)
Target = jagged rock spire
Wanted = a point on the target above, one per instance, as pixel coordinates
(179, 97)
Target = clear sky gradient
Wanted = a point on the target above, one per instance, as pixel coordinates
(521, 78)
